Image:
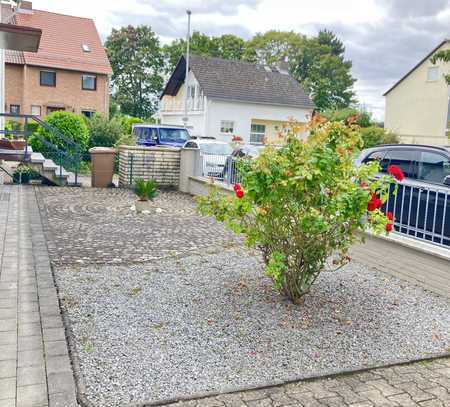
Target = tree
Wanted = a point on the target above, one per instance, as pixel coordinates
(274, 46)
(103, 132)
(200, 44)
(137, 62)
(227, 46)
(443, 56)
(321, 68)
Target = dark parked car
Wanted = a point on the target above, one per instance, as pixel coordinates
(246, 151)
(422, 204)
(160, 135)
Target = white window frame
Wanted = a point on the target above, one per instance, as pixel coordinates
(435, 76)
(226, 126)
(36, 107)
(259, 135)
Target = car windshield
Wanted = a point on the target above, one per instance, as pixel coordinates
(216, 148)
(174, 135)
(252, 151)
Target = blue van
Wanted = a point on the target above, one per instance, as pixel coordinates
(160, 135)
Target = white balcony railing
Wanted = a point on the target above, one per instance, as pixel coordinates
(193, 105)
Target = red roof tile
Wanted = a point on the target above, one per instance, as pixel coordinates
(14, 57)
(62, 40)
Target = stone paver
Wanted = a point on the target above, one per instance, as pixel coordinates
(27, 296)
(98, 226)
(379, 388)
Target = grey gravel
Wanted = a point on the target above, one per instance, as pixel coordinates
(212, 322)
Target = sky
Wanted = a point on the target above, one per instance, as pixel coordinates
(383, 38)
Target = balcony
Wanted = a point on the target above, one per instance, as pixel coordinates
(194, 105)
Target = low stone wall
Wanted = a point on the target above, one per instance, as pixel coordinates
(159, 163)
(421, 263)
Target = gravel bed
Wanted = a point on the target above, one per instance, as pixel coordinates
(212, 322)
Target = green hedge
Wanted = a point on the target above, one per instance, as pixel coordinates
(71, 125)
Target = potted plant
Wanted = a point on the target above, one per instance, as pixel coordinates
(146, 192)
(23, 174)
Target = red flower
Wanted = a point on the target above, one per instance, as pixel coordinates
(390, 216)
(389, 227)
(374, 203)
(396, 172)
(236, 187)
(363, 184)
(240, 193)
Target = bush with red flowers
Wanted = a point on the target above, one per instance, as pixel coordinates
(305, 203)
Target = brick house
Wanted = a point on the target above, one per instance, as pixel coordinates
(69, 72)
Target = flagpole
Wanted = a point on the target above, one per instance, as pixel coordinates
(186, 80)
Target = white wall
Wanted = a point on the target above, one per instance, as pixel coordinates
(243, 113)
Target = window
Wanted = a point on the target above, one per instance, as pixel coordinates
(375, 156)
(85, 48)
(88, 113)
(227, 126)
(257, 133)
(36, 110)
(48, 78)
(14, 109)
(173, 135)
(433, 74)
(433, 167)
(405, 159)
(51, 109)
(88, 82)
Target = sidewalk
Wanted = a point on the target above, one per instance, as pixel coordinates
(35, 368)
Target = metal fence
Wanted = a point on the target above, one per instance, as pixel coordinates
(421, 212)
(220, 167)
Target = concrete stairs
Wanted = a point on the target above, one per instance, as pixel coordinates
(50, 171)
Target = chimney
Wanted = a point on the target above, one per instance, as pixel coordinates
(26, 7)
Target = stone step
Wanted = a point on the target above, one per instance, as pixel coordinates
(37, 158)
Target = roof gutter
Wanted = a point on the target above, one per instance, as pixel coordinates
(310, 107)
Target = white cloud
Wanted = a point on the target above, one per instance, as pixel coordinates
(378, 34)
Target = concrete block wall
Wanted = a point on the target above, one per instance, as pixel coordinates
(159, 163)
(418, 262)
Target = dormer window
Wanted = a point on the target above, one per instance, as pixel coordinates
(85, 48)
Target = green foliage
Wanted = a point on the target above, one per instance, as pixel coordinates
(137, 61)
(364, 119)
(127, 123)
(71, 125)
(374, 136)
(227, 46)
(145, 190)
(304, 204)
(443, 56)
(274, 46)
(126, 140)
(321, 67)
(103, 132)
(12, 125)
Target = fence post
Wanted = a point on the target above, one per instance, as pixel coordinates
(131, 159)
(25, 157)
(188, 167)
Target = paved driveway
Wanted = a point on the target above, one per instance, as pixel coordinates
(93, 229)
